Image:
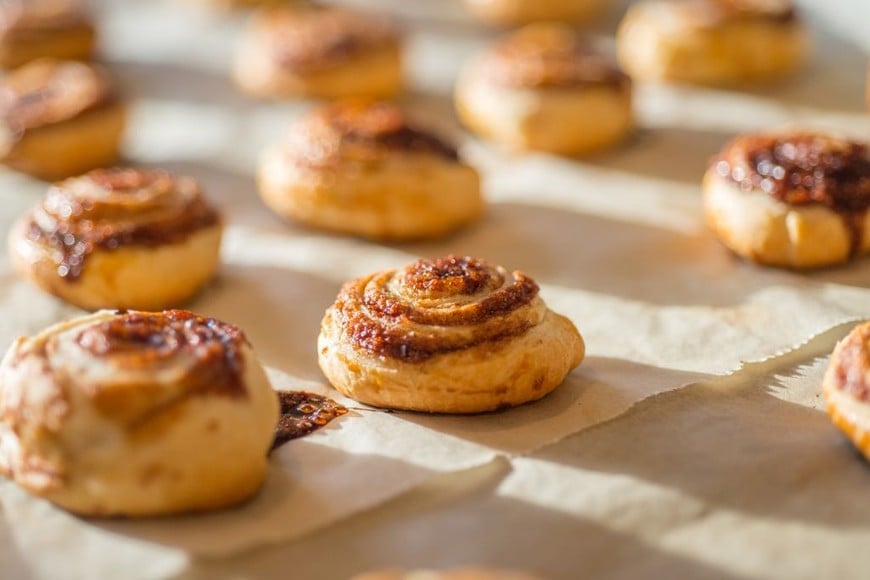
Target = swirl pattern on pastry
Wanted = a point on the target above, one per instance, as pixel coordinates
(548, 56)
(452, 335)
(117, 412)
(437, 306)
(113, 208)
(360, 132)
(120, 238)
(48, 92)
(364, 168)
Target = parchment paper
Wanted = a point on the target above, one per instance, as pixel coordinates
(616, 242)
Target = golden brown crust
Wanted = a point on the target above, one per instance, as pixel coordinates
(360, 132)
(108, 209)
(446, 292)
(316, 38)
(548, 55)
(48, 92)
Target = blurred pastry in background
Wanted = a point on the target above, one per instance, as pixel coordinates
(319, 52)
(449, 335)
(791, 199)
(119, 238)
(513, 12)
(846, 387)
(245, 4)
(715, 42)
(546, 88)
(136, 414)
(465, 573)
(59, 118)
(364, 168)
(34, 29)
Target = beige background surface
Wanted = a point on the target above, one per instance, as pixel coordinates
(734, 477)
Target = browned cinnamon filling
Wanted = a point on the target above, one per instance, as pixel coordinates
(361, 131)
(138, 339)
(113, 208)
(45, 92)
(853, 363)
(303, 413)
(464, 294)
(549, 56)
(803, 169)
(311, 39)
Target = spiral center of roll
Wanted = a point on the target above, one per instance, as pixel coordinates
(136, 340)
(450, 276)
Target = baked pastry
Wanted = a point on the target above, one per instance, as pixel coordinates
(846, 387)
(59, 119)
(136, 414)
(33, 29)
(545, 88)
(715, 42)
(119, 238)
(453, 574)
(451, 335)
(513, 12)
(790, 199)
(321, 52)
(365, 169)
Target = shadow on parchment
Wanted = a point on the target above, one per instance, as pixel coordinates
(637, 262)
(734, 445)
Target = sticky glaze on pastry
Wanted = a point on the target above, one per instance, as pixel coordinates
(450, 335)
(791, 199)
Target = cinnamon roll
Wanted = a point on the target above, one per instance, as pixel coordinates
(59, 118)
(790, 199)
(365, 169)
(716, 42)
(451, 335)
(136, 414)
(33, 29)
(119, 238)
(321, 52)
(545, 88)
(513, 12)
(846, 387)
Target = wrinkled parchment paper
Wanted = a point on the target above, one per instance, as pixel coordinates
(616, 242)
